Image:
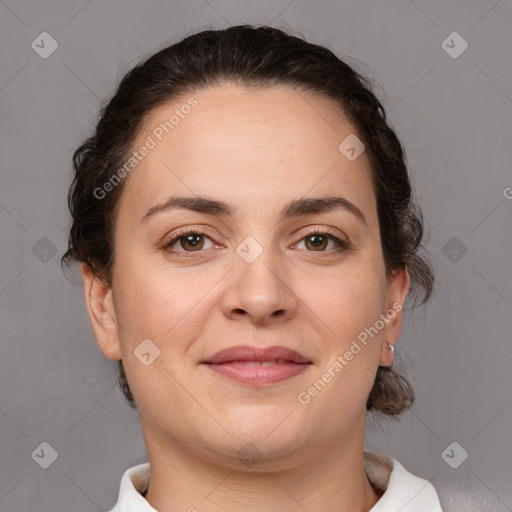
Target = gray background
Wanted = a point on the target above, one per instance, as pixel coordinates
(453, 117)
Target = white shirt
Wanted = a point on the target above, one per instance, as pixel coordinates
(403, 491)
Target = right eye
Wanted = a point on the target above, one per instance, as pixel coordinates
(191, 240)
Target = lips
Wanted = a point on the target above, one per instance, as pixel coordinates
(258, 366)
(246, 353)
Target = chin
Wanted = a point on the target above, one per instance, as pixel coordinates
(256, 455)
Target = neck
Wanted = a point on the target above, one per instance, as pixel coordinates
(331, 478)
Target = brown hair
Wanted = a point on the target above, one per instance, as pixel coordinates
(250, 57)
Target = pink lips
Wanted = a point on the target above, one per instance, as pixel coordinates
(258, 366)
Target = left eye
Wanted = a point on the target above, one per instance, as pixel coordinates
(193, 241)
(319, 239)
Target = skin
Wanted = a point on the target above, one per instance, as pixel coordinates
(256, 150)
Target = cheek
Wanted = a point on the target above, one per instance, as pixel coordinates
(348, 301)
(155, 297)
(350, 308)
(166, 308)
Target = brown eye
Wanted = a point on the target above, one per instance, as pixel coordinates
(317, 241)
(187, 242)
(193, 241)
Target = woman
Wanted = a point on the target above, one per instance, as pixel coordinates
(247, 236)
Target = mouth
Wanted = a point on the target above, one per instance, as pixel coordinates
(256, 366)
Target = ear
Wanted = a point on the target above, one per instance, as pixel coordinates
(100, 306)
(398, 289)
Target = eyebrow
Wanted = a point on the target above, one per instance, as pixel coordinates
(295, 208)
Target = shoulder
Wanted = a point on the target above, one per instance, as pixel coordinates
(402, 490)
(134, 483)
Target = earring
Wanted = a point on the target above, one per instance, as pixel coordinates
(392, 348)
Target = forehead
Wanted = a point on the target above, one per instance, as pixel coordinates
(252, 147)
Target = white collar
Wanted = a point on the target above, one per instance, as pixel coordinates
(402, 490)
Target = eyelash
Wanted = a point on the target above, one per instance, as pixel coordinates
(342, 245)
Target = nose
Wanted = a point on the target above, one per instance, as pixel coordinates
(260, 290)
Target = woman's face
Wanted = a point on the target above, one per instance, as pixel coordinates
(257, 276)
